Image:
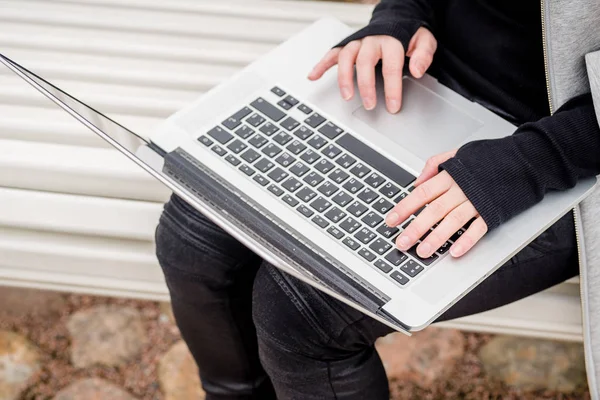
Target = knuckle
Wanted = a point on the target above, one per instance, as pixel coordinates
(457, 218)
(437, 208)
(422, 191)
(434, 239)
(391, 68)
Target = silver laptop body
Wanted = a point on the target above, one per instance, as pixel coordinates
(203, 154)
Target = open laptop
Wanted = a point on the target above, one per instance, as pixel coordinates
(305, 179)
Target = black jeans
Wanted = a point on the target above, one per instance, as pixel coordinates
(257, 333)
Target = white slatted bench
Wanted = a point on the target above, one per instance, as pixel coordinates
(77, 216)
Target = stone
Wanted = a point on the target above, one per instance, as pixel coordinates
(166, 313)
(178, 374)
(17, 302)
(93, 389)
(535, 364)
(19, 361)
(106, 335)
(426, 357)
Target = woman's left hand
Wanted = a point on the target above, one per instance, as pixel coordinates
(447, 203)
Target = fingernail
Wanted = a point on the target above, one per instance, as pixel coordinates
(346, 94)
(424, 250)
(392, 219)
(456, 251)
(420, 69)
(369, 104)
(394, 106)
(403, 242)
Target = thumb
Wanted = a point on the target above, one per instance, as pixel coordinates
(431, 166)
(421, 49)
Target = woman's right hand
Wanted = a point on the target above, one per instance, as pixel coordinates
(366, 53)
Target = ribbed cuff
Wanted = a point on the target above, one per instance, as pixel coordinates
(401, 30)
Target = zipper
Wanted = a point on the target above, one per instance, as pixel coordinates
(545, 48)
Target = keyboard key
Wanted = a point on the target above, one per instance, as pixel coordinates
(307, 212)
(278, 175)
(368, 196)
(364, 235)
(282, 138)
(233, 160)
(374, 180)
(255, 120)
(360, 170)
(220, 135)
(383, 266)
(416, 213)
(305, 194)
(351, 243)
(331, 151)
(320, 204)
(330, 130)
(407, 223)
(444, 249)
(324, 166)
(276, 190)
(396, 257)
(372, 219)
(371, 157)
(400, 197)
(411, 188)
(353, 185)
(320, 221)
(261, 180)
(250, 156)
(268, 109)
(342, 199)
(291, 100)
(236, 119)
(386, 231)
(271, 150)
(328, 189)
(338, 176)
(264, 165)
(335, 232)
(205, 140)
(268, 129)
(299, 169)
(258, 141)
(284, 104)
(305, 109)
(389, 190)
(278, 91)
(366, 254)
(357, 209)
(237, 146)
(292, 184)
(349, 224)
(346, 161)
(382, 206)
(219, 150)
(244, 132)
(314, 120)
(289, 124)
(398, 277)
(247, 170)
(313, 179)
(310, 156)
(296, 147)
(303, 133)
(285, 160)
(426, 261)
(412, 268)
(317, 142)
(380, 246)
(457, 235)
(290, 200)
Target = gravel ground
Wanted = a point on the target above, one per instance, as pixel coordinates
(139, 377)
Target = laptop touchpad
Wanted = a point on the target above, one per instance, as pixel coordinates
(426, 125)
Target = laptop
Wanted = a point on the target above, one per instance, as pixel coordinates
(305, 179)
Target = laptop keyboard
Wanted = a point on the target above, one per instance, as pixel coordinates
(326, 175)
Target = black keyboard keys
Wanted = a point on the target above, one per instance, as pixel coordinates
(360, 170)
(331, 151)
(398, 277)
(342, 199)
(380, 246)
(291, 100)
(382, 206)
(330, 130)
(305, 194)
(368, 196)
(264, 165)
(278, 91)
(426, 261)
(357, 209)
(247, 170)
(289, 124)
(219, 150)
(372, 219)
(350, 225)
(313, 179)
(268, 109)
(278, 174)
(310, 156)
(261, 180)
(220, 135)
(353, 186)
(386, 231)
(299, 169)
(374, 180)
(271, 150)
(338, 176)
(307, 212)
(282, 138)
(396, 257)
(320, 204)
(276, 190)
(255, 120)
(296, 147)
(285, 160)
(346, 160)
(303, 133)
(231, 159)
(335, 232)
(389, 190)
(250, 156)
(305, 109)
(317, 142)
(292, 184)
(268, 129)
(383, 266)
(237, 146)
(236, 119)
(257, 141)
(320, 221)
(314, 120)
(324, 166)
(328, 189)
(366, 254)
(290, 200)
(412, 268)
(364, 235)
(351, 243)
(205, 140)
(244, 132)
(284, 104)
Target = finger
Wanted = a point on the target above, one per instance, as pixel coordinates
(328, 61)
(392, 55)
(423, 194)
(432, 165)
(468, 239)
(432, 214)
(422, 47)
(368, 56)
(455, 220)
(346, 60)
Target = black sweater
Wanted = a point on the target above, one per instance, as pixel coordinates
(491, 52)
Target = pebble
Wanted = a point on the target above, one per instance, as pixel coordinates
(535, 364)
(17, 302)
(106, 335)
(178, 374)
(93, 389)
(426, 357)
(19, 361)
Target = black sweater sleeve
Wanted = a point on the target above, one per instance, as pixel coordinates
(397, 18)
(503, 177)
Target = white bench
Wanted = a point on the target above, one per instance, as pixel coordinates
(77, 216)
